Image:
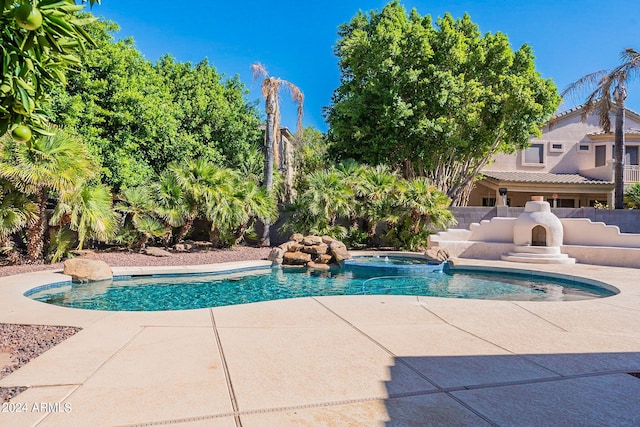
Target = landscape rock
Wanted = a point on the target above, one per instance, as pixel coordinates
(318, 266)
(336, 244)
(87, 270)
(296, 258)
(323, 259)
(152, 251)
(182, 247)
(276, 256)
(436, 254)
(340, 254)
(315, 249)
(296, 237)
(287, 245)
(311, 240)
(301, 250)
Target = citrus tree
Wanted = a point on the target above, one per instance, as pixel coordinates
(39, 41)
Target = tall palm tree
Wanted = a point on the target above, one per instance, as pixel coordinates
(610, 93)
(271, 87)
(55, 162)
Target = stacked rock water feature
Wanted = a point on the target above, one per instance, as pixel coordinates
(310, 251)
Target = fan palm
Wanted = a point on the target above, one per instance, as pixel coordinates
(87, 211)
(271, 87)
(376, 190)
(610, 93)
(16, 211)
(328, 196)
(419, 208)
(139, 208)
(55, 162)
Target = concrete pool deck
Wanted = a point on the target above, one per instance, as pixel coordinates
(333, 361)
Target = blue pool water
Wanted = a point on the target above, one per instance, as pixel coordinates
(190, 292)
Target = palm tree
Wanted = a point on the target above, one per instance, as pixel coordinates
(87, 211)
(270, 91)
(419, 208)
(376, 190)
(16, 211)
(139, 208)
(610, 93)
(53, 162)
(328, 197)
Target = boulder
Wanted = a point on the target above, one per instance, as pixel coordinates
(295, 247)
(318, 266)
(327, 239)
(436, 254)
(296, 258)
(276, 256)
(337, 244)
(340, 254)
(182, 247)
(287, 245)
(311, 240)
(296, 237)
(315, 249)
(87, 270)
(151, 251)
(323, 259)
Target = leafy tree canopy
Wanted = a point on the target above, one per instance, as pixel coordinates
(138, 118)
(437, 101)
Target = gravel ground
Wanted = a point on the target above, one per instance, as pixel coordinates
(130, 259)
(25, 342)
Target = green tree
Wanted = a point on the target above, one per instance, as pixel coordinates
(56, 163)
(632, 196)
(87, 211)
(435, 101)
(141, 218)
(376, 189)
(123, 110)
(311, 154)
(419, 209)
(610, 93)
(16, 212)
(271, 87)
(327, 197)
(39, 42)
(211, 111)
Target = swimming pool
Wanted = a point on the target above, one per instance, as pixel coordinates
(199, 291)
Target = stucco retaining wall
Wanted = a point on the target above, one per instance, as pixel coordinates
(628, 220)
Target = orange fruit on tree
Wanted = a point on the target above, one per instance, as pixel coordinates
(21, 133)
(28, 17)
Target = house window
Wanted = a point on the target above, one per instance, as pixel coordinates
(583, 148)
(631, 155)
(534, 155)
(601, 155)
(488, 201)
(565, 203)
(556, 147)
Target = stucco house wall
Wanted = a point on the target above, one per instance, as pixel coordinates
(569, 147)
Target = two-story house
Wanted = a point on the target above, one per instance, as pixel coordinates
(571, 165)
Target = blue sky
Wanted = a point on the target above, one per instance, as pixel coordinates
(294, 40)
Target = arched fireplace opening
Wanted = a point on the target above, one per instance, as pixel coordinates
(538, 236)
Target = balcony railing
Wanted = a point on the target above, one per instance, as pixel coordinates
(631, 173)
